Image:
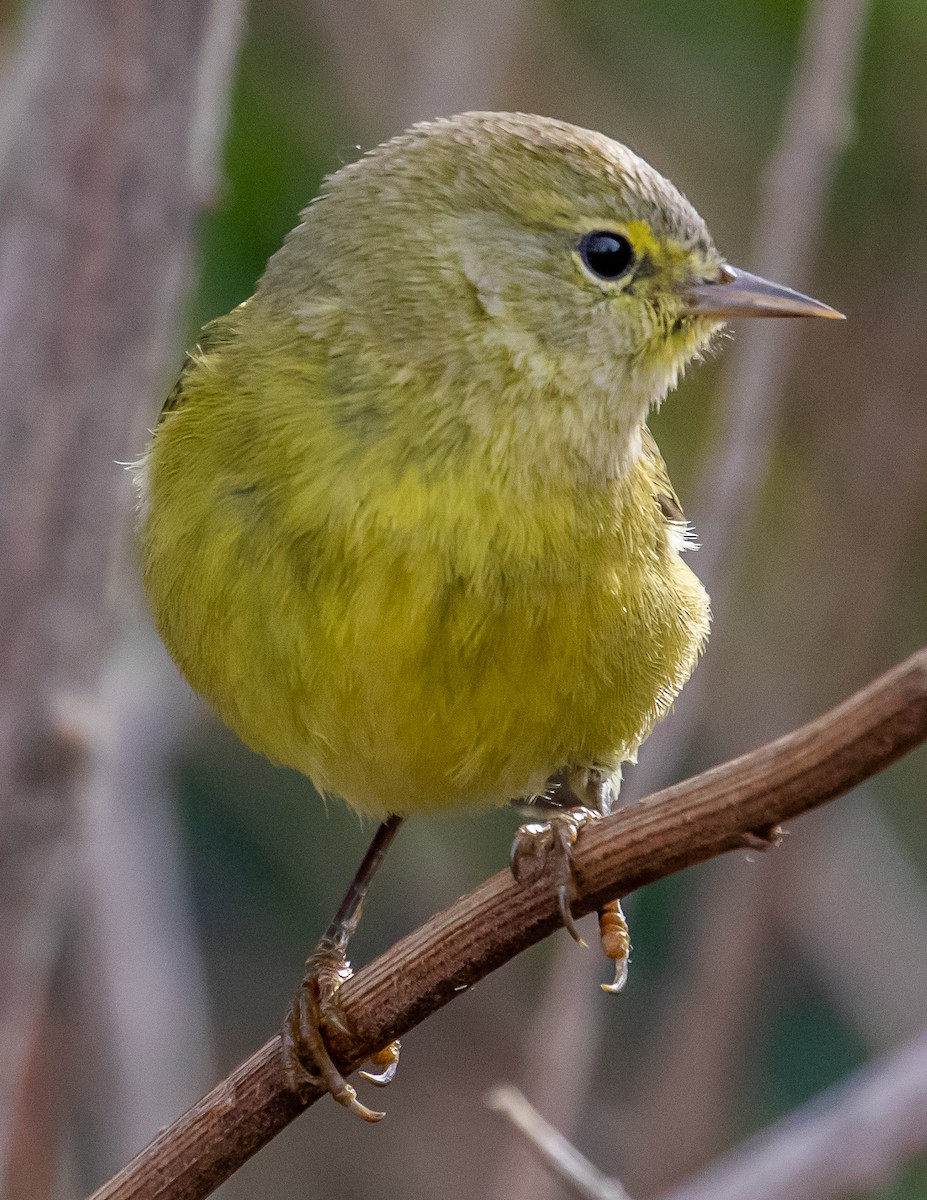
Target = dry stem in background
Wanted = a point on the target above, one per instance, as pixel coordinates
(557, 1154)
(98, 218)
(852, 1138)
(685, 1087)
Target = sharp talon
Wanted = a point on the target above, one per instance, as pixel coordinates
(621, 978)
(350, 1101)
(384, 1079)
(566, 915)
(388, 1059)
(539, 845)
(333, 1016)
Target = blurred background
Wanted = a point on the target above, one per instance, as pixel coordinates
(198, 876)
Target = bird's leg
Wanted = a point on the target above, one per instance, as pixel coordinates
(305, 1054)
(548, 845)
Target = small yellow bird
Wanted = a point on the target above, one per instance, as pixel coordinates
(402, 521)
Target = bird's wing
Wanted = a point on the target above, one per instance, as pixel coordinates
(681, 534)
(175, 397)
(664, 493)
(178, 394)
(210, 336)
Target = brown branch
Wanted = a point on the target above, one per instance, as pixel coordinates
(722, 809)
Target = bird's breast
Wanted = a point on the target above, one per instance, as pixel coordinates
(430, 651)
(478, 650)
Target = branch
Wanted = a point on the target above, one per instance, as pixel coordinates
(557, 1154)
(728, 807)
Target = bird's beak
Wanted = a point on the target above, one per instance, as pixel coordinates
(737, 293)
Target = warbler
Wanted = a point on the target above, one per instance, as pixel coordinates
(402, 521)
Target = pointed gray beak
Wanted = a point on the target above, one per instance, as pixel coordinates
(737, 293)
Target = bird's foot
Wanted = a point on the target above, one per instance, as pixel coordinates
(548, 846)
(316, 1006)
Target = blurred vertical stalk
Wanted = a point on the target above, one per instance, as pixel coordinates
(141, 978)
(682, 1089)
(794, 196)
(466, 58)
(97, 220)
(853, 903)
(793, 203)
(413, 60)
(559, 1057)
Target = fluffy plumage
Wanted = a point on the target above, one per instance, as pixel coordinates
(403, 523)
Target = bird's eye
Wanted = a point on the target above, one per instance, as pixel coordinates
(606, 254)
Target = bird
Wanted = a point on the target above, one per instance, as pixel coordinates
(402, 521)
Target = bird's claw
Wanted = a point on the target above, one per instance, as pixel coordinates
(566, 915)
(305, 1054)
(616, 944)
(548, 846)
(621, 978)
(388, 1060)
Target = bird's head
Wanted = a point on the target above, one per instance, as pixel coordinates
(507, 254)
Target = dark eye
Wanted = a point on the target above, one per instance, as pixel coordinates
(607, 255)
